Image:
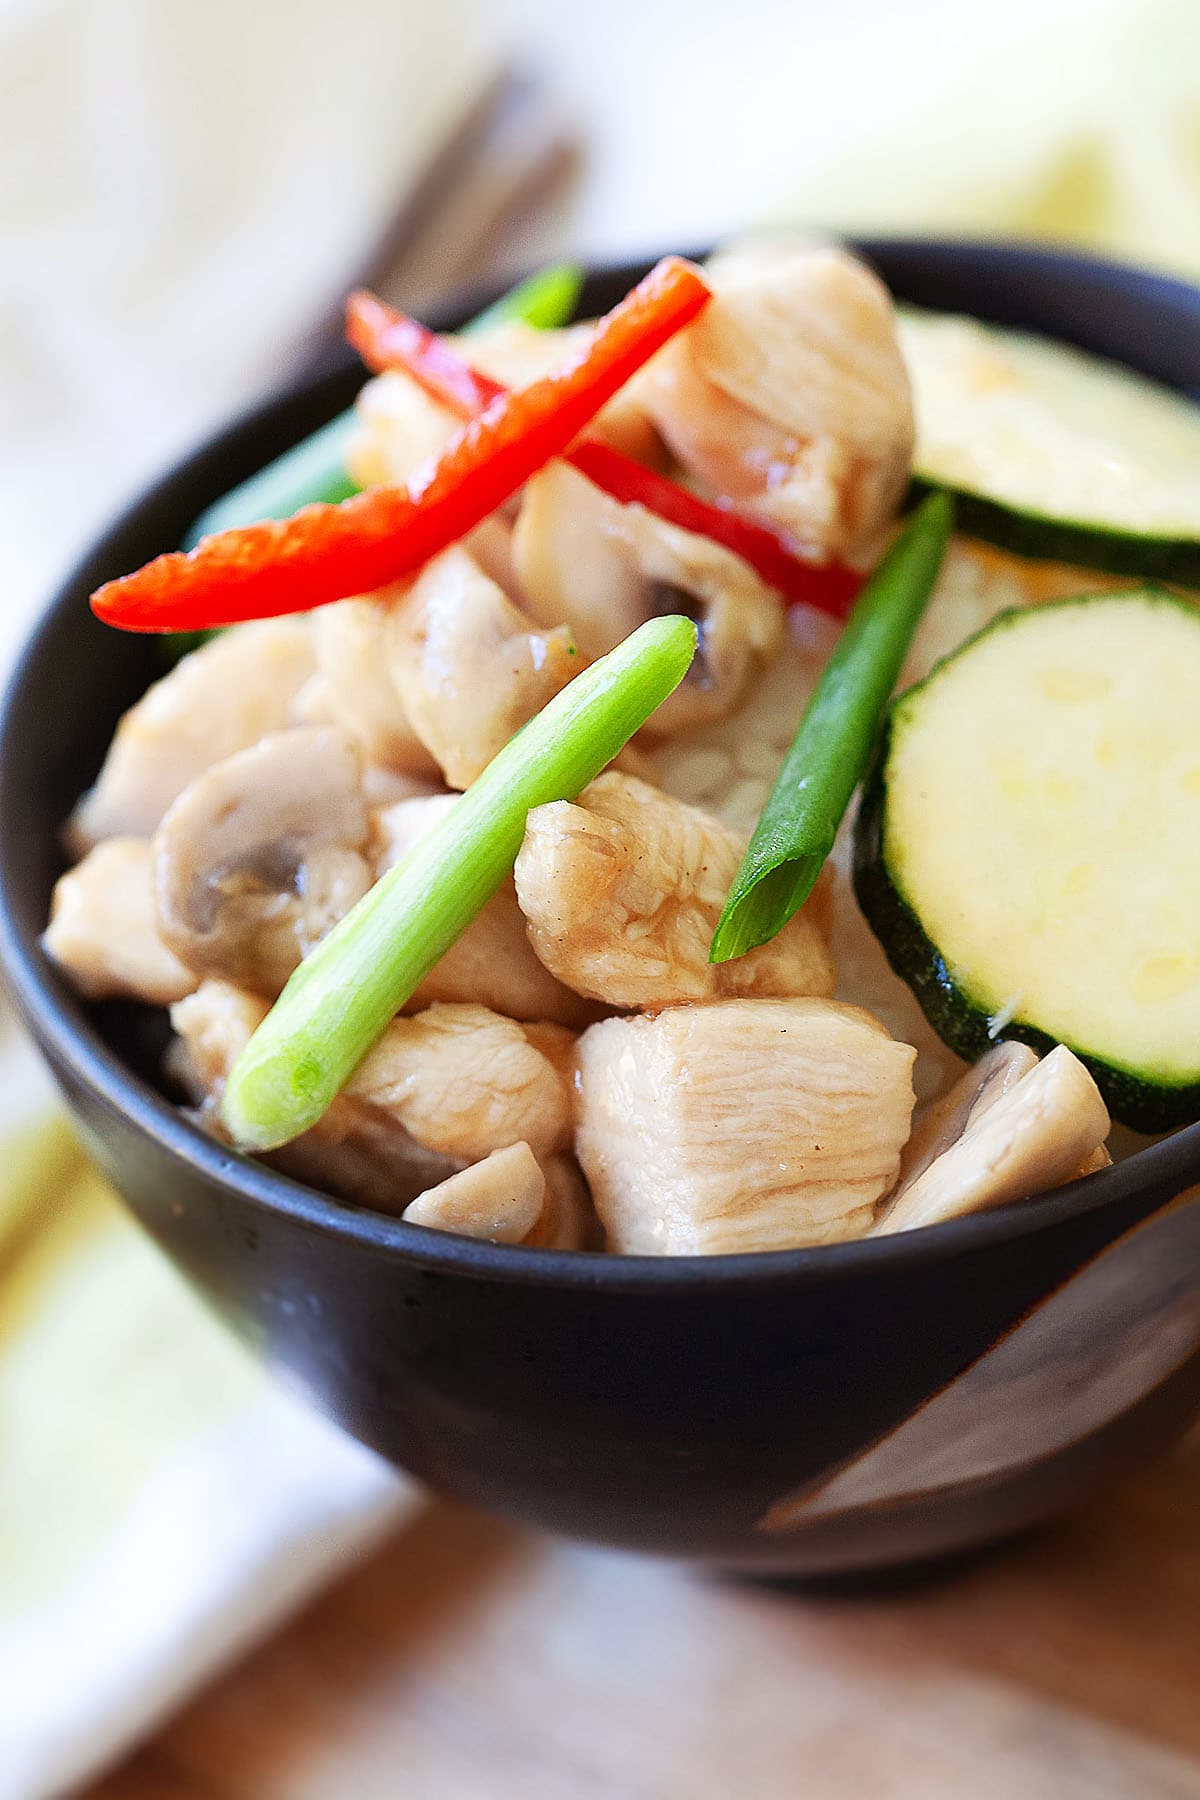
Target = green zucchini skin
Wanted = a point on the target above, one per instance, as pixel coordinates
(959, 1020)
(1046, 539)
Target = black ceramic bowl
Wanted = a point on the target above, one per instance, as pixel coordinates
(811, 1410)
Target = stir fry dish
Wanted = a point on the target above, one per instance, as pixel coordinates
(721, 777)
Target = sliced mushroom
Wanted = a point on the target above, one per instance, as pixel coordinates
(499, 1199)
(222, 698)
(788, 395)
(262, 855)
(741, 1125)
(469, 670)
(1007, 1131)
(941, 1124)
(622, 892)
(606, 568)
(356, 1150)
(464, 1081)
(103, 931)
(492, 962)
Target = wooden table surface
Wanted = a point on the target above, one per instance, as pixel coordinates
(471, 1660)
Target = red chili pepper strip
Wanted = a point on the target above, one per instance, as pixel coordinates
(830, 586)
(327, 553)
(387, 339)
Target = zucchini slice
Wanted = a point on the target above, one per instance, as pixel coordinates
(1028, 843)
(1054, 453)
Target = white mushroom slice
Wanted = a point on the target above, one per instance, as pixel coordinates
(222, 698)
(742, 1125)
(103, 931)
(499, 1199)
(940, 1125)
(363, 1154)
(1015, 1138)
(492, 962)
(262, 855)
(464, 1081)
(350, 639)
(606, 568)
(788, 395)
(469, 671)
(623, 890)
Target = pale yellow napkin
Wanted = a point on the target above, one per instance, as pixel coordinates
(161, 1503)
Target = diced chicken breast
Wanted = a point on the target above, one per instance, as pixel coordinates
(568, 1220)
(351, 643)
(464, 1081)
(516, 354)
(103, 930)
(262, 855)
(357, 1150)
(499, 1199)
(622, 892)
(788, 395)
(741, 1125)
(469, 670)
(399, 428)
(606, 568)
(492, 962)
(1007, 1131)
(222, 698)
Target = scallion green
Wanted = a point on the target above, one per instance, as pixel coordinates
(342, 996)
(829, 753)
(545, 300)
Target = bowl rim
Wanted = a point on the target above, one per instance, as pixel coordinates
(74, 1043)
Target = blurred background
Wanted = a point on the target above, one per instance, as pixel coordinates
(186, 190)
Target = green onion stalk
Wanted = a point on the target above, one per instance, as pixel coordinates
(830, 751)
(345, 992)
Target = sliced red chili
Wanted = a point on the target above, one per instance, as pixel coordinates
(387, 339)
(327, 553)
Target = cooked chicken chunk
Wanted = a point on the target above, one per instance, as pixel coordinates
(222, 698)
(623, 890)
(741, 1125)
(401, 427)
(492, 962)
(788, 395)
(351, 643)
(499, 1199)
(606, 568)
(103, 930)
(516, 354)
(464, 1081)
(469, 671)
(1008, 1130)
(568, 1220)
(357, 1150)
(262, 855)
